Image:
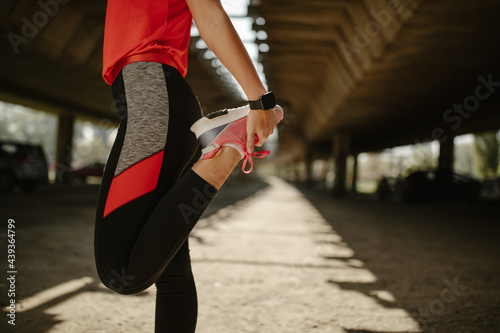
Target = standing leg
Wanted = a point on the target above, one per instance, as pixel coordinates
(176, 301)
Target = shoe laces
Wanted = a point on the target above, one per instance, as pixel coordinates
(248, 158)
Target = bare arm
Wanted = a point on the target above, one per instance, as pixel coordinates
(220, 36)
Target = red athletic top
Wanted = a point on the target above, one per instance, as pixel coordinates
(145, 30)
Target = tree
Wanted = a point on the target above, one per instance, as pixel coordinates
(422, 157)
(487, 149)
(24, 124)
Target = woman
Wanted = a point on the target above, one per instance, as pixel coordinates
(156, 186)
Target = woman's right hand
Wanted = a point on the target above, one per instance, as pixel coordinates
(261, 123)
(218, 32)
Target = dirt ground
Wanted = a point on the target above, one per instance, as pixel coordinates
(269, 257)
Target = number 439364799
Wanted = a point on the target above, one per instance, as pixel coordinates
(11, 238)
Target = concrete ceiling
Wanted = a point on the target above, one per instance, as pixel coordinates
(382, 74)
(57, 67)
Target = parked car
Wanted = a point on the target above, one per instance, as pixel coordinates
(91, 170)
(21, 164)
(490, 190)
(421, 186)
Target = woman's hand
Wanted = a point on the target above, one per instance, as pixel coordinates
(261, 123)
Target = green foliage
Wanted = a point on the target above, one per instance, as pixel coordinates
(22, 124)
(422, 158)
(487, 148)
(91, 143)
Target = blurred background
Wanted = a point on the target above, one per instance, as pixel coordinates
(390, 106)
(373, 90)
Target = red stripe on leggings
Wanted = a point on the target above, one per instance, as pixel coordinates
(134, 182)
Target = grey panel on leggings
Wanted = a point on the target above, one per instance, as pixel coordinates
(147, 113)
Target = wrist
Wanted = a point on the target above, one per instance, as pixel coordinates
(266, 101)
(254, 91)
(255, 95)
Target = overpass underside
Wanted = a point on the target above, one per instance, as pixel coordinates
(383, 73)
(354, 76)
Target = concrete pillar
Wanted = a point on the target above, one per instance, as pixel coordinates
(63, 147)
(446, 152)
(308, 164)
(354, 173)
(294, 174)
(341, 146)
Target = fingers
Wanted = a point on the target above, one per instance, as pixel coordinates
(250, 141)
(260, 140)
(262, 136)
(260, 126)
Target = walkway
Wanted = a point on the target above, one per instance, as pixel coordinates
(267, 260)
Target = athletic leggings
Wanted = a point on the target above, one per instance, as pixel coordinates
(150, 199)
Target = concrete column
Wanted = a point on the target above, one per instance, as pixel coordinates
(341, 146)
(446, 152)
(63, 145)
(308, 163)
(354, 173)
(294, 174)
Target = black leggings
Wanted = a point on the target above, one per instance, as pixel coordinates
(150, 199)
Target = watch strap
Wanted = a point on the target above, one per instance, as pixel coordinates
(255, 105)
(265, 102)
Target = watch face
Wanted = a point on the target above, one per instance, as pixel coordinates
(268, 101)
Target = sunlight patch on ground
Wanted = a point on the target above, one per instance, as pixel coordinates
(269, 263)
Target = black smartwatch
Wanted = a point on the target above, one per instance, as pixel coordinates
(265, 102)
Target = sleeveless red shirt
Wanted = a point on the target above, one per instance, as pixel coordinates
(145, 30)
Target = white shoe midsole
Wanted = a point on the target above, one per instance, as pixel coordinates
(204, 124)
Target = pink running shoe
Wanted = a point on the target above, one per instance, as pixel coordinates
(228, 127)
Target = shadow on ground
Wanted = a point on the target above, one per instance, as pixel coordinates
(54, 247)
(237, 188)
(440, 262)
